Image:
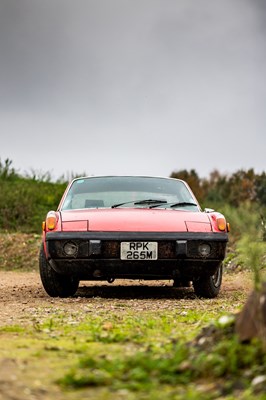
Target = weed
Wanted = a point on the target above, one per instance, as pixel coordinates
(251, 253)
(12, 329)
(143, 355)
(178, 364)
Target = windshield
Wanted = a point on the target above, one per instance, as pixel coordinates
(128, 191)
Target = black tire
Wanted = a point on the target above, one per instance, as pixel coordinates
(209, 286)
(56, 285)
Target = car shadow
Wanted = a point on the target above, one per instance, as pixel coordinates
(136, 292)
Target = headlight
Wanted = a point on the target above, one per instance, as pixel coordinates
(204, 250)
(70, 248)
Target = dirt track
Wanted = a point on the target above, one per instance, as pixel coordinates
(24, 299)
(24, 302)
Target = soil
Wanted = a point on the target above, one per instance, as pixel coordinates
(23, 297)
(24, 302)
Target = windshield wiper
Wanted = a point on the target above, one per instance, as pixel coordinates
(180, 204)
(141, 202)
(150, 201)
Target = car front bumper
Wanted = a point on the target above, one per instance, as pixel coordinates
(98, 255)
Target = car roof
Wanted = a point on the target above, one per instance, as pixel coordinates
(127, 176)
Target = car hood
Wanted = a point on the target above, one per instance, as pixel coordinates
(135, 220)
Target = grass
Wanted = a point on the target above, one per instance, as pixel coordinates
(169, 365)
(142, 356)
(117, 348)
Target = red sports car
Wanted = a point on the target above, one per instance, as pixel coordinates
(135, 227)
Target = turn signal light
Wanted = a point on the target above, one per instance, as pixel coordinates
(221, 223)
(51, 220)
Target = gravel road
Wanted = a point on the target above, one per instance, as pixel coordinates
(23, 297)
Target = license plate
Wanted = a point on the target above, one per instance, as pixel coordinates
(139, 251)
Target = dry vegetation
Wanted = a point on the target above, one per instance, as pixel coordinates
(19, 251)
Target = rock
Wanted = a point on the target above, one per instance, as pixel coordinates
(259, 380)
(259, 384)
(251, 321)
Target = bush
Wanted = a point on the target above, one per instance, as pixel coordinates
(24, 202)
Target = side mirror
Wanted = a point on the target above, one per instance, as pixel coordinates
(208, 210)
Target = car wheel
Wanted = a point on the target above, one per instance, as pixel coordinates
(209, 286)
(56, 285)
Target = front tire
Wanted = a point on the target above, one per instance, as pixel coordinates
(56, 285)
(209, 287)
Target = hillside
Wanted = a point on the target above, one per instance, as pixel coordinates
(19, 251)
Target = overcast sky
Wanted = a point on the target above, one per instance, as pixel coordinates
(133, 86)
